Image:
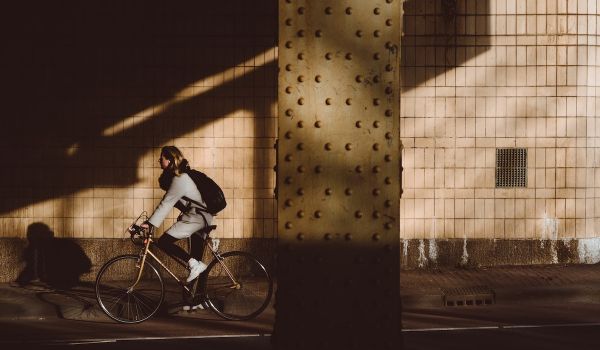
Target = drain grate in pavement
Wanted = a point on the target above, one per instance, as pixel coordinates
(468, 296)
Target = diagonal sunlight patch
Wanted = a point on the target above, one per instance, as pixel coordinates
(195, 89)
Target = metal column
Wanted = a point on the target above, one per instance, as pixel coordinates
(338, 175)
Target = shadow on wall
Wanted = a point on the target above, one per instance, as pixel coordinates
(82, 81)
(440, 35)
(54, 261)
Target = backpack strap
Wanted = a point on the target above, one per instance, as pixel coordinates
(200, 205)
(199, 209)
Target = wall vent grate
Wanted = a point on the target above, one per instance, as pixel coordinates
(511, 167)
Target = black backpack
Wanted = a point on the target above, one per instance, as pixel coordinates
(211, 192)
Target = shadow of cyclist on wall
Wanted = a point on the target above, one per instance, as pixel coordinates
(57, 262)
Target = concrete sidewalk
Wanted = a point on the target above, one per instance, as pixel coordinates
(536, 284)
(423, 288)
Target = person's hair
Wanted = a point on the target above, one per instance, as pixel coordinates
(177, 163)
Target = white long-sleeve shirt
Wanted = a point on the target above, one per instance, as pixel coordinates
(181, 186)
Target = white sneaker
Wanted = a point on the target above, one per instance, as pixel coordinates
(215, 244)
(196, 268)
(193, 307)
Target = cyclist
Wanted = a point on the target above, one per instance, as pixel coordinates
(178, 185)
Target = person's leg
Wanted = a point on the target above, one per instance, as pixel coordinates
(184, 229)
(197, 247)
(166, 242)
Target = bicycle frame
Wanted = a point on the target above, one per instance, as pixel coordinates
(146, 251)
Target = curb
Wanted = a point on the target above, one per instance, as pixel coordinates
(517, 295)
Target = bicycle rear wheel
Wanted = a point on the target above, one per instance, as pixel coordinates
(113, 289)
(245, 295)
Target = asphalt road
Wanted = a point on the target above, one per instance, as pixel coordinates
(520, 326)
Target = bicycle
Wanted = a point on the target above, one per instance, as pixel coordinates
(130, 289)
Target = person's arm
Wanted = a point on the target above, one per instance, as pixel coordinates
(173, 195)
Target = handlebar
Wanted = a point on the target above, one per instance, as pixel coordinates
(139, 234)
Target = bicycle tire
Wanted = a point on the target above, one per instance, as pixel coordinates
(112, 284)
(247, 302)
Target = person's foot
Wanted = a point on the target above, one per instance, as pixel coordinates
(194, 307)
(196, 268)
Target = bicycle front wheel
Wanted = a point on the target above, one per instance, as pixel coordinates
(117, 295)
(237, 286)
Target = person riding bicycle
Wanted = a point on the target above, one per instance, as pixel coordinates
(178, 185)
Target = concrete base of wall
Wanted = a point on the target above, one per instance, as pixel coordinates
(85, 256)
(60, 257)
(422, 253)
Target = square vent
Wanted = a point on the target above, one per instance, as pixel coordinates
(511, 167)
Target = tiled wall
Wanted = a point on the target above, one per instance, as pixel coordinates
(101, 87)
(500, 73)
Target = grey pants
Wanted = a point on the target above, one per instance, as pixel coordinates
(187, 224)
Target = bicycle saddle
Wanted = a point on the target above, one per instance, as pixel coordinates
(207, 229)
